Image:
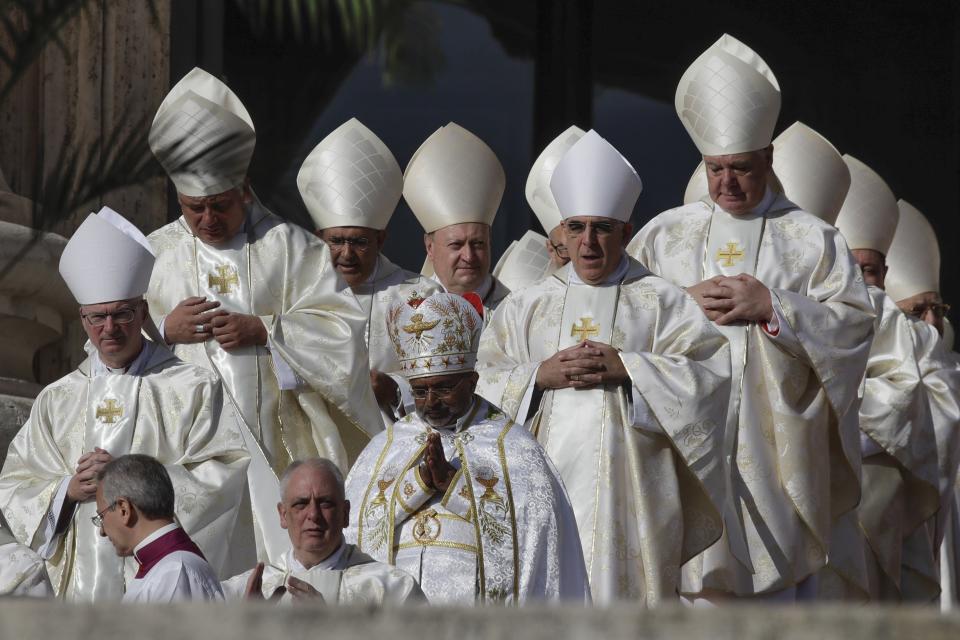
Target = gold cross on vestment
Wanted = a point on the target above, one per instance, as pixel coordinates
(225, 281)
(586, 329)
(731, 256)
(109, 411)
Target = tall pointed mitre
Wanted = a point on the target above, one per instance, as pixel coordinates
(593, 179)
(812, 173)
(524, 262)
(435, 336)
(538, 192)
(203, 136)
(697, 188)
(913, 259)
(454, 177)
(107, 259)
(728, 99)
(870, 213)
(350, 179)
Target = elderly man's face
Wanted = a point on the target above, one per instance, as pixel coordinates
(926, 306)
(314, 512)
(556, 248)
(113, 524)
(872, 264)
(461, 255)
(442, 400)
(737, 182)
(114, 329)
(216, 219)
(354, 251)
(596, 245)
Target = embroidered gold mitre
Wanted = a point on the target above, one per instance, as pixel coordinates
(434, 336)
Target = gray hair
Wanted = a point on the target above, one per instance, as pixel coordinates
(320, 464)
(140, 479)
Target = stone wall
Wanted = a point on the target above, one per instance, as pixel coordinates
(235, 621)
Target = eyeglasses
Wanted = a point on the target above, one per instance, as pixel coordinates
(575, 227)
(97, 520)
(357, 244)
(123, 316)
(939, 309)
(442, 392)
(560, 249)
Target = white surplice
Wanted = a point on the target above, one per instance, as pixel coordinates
(348, 576)
(180, 576)
(307, 393)
(641, 461)
(503, 531)
(161, 407)
(792, 441)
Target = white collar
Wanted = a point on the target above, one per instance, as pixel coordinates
(614, 278)
(135, 368)
(159, 533)
(330, 562)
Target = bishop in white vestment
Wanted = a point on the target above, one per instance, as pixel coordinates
(639, 453)
(351, 185)
(131, 395)
(913, 281)
(453, 184)
(457, 494)
(784, 289)
(255, 299)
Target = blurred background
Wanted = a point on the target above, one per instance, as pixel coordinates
(80, 81)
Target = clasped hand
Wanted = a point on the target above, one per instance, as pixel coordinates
(435, 471)
(83, 484)
(582, 365)
(726, 300)
(197, 320)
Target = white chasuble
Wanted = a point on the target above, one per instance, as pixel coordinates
(792, 439)
(354, 578)
(169, 410)
(282, 274)
(642, 460)
(941, 382)
(899, 477)
(502, 532)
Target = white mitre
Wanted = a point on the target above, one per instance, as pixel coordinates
(454, 177)
(697, 187)
(350, 179)
(868, 219)
(203, 136)
(435, 336)
(524, 262)
(107, 259)
(811, 171)
(914, 256)
(538, 192)
(593, 179)
(728, 99)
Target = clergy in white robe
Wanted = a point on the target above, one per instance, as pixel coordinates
(131, 395)
(899, 484)
(623, 381)
(913, 281)
(453, 184)
(457, 494)
(255, 299)
(784, 289)
(351, 185)
(22, 571)
(135, 513)
(319, 564)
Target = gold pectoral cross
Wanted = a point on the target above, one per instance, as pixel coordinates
(586, 329)
(225, 281)
(731, 255)
(109, 411)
